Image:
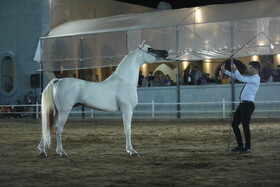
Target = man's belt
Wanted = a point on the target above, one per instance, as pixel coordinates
(244, 101)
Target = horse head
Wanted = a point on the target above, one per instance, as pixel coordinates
(152, 55)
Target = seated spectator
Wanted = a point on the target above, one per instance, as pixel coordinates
(203, 80)
(217, 80)
(224, 79)
(5, 110)
(207, 77)
(167, 81)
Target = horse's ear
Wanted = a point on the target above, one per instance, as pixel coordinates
(143, 43)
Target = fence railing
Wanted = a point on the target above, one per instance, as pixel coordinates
(153, 110)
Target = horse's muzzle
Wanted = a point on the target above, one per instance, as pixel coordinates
(159, 53)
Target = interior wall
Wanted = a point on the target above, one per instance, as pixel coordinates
(22, 23)
(276, 60)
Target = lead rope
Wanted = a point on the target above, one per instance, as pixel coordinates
(228, 145)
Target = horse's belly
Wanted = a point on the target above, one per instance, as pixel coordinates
(100, 99)
(103, 106)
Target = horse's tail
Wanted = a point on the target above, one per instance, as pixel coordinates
(47, 110)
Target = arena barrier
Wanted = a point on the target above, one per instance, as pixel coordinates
(192, 110)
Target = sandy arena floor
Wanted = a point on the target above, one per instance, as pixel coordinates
(173, 153)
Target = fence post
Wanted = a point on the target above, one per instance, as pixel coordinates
(153, 108)
(91, 112)
(224, 108)
(37, 110)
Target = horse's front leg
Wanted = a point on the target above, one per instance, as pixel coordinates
(127, 116)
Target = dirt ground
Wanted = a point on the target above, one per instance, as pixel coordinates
(173, 153)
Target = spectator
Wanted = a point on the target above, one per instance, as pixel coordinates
(167, 81)
(140, 79)
(268, 71)
(197, 75)
(18, 109)
(3, 107)
(207, 77)
(31, 100)
(217, 80)
(189, 75)
(181, 80)
(3, 110)
(158, 81)
(277, 73)
(150, 79)
(203, 80)
(224, 79)
(144, 82)
(96, 79)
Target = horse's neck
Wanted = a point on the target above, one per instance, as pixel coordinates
(128, 69)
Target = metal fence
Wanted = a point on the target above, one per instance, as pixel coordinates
(192, 110)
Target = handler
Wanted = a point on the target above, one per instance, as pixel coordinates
(246, 107)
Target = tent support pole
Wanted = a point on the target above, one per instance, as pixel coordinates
(81, 72)
(178, 79)
(232, 80)
(41, 72)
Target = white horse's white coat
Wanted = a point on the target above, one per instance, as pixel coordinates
(117, 93)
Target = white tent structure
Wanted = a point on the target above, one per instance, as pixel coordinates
(207, 32)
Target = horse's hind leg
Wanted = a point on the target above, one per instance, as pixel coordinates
(61, 120)
(41, 147)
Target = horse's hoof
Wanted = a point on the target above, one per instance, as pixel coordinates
(63, 155)
(134, 154)
(43, 154)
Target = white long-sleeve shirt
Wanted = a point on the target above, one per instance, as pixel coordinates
(252, 84)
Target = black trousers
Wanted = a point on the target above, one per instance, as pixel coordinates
(243, 114)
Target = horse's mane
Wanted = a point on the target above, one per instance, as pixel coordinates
(124, 60)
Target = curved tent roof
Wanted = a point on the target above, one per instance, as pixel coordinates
(165, 18)
(207, 32)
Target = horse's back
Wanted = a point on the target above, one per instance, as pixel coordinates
(69, 84)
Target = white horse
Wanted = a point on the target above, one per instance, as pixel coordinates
(116, 93)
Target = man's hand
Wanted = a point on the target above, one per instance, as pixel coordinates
(233, 66)
(223, 68)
